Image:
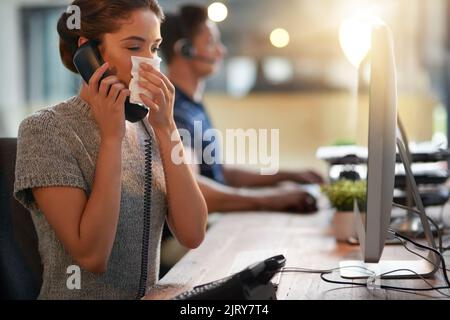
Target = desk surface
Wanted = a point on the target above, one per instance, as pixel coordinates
(237, 240)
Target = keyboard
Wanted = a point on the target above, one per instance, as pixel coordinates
(423, 177)
(430, 198)
(336, 155)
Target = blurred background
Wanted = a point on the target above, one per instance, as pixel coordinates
(285, 69)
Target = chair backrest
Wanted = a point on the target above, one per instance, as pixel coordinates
(20, 263)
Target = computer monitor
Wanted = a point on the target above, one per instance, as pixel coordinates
(382, 143)
(383, 138)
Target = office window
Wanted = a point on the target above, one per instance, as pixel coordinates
(47, 80)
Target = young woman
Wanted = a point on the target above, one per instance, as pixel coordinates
(82, 169)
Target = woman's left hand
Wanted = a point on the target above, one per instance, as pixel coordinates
(188, 223)
(162, 96)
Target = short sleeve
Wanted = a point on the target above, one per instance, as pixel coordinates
(44, 159)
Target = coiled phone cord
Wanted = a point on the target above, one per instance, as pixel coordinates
(147, 211)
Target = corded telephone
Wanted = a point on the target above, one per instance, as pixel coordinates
(252, 283)
(87, 59)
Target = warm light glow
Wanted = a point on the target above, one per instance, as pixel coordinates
(355, 36)
(279, 38)
(217, 12)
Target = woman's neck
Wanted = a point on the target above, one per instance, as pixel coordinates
(185, 80)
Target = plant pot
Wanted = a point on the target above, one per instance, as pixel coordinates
(344, 225)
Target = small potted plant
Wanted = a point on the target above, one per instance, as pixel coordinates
(342, 195)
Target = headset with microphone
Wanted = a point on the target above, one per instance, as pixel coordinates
(185, 47)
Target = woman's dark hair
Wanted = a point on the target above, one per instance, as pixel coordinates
(97, 18)
(184, 24)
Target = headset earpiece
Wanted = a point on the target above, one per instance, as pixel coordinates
(185, 48)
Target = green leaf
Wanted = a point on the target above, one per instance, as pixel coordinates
(343, 193)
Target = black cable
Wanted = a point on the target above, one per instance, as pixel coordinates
(360, 284)
(147, 214)
(385, 287)
(417, 254)
(438, 229)
(430, 249)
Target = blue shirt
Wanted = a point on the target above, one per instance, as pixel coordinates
(186, 112)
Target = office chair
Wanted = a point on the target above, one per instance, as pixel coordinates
(20, 263)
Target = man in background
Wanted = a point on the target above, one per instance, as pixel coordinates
(193, 50)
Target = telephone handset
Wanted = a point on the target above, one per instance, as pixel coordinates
(87, 59)
(252, 283)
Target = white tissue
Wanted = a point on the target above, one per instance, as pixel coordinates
(134, 87)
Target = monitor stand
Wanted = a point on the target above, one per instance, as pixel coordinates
(410, 225)
(421, 267)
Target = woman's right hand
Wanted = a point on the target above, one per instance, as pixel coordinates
(107, 101)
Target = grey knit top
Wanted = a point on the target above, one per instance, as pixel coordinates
(58, 146)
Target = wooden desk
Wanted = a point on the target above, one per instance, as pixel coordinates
(306, 241)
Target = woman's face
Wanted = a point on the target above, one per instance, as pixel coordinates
(138, 36)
